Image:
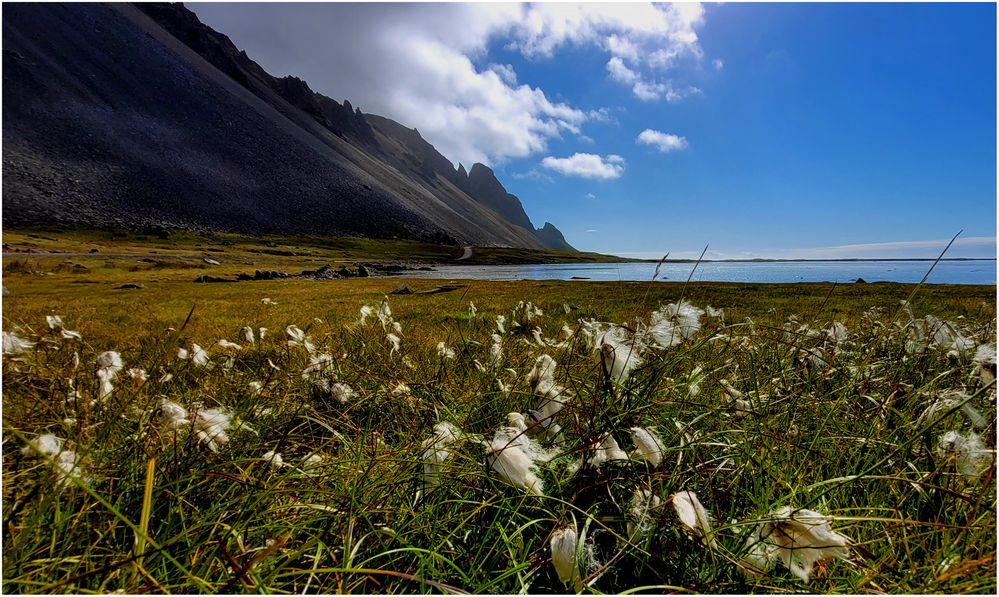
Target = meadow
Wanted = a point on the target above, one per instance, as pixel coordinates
(302, 436)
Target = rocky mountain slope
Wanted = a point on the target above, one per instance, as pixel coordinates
(139, 115)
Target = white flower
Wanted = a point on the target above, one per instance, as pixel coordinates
(563, 546)
(12, 345)
(444, 352)
(799, 539)
(48, 445)
(384, 313)
(321, 371)
(985, 356)
(435, 451)
(70, 335)
(513, 465)
(247, 333)
(496, 351)
(643, 502)
(341, 392)
(199, 356)
(227, 344)
(274, 458)
(110, 362)
(394, 341)
(617, 355)
(970, 456)
(647, 445)
(138, 376)
(692, 514)
(297, 337)
(311, 462)
(674, 323)
(366, 311)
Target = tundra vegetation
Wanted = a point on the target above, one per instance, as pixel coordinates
(294, 436)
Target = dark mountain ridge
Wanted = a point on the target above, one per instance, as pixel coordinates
(125, 116)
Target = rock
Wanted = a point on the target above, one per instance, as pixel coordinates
(243, 277)
(362, 272)
(94, 250)
(211, 261)
(131, 285)
(404, 289)
(210, 279)
(345, 273)
(269, 275)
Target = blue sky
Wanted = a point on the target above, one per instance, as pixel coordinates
(778, 130)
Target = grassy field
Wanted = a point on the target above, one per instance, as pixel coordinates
(170, 480)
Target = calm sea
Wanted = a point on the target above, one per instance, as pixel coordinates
(947, 272)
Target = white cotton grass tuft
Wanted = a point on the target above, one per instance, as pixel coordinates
(444, 352)
(969, 455)
(945, 404)
(604, 450)
(798, 539)
(401, 389)
(321, 372)
(297, 337)
(837, 332)
(617, 355)
(223, 343)
(564, 549)
(501, 324)
(496, 351)
(640, 518)
(366, 311)
(268, 301)
(647, 445)
(513, 465)
(110, 363)
(985, 357)
(341, 392)
(471, 310)
(246, 332)
(674, 323)
(274, 459)
(394, 341)
(212, 425)
(65, 463)
(384, 313)
(54, 321)
(694, 518)
(436, 450)
(14, 345)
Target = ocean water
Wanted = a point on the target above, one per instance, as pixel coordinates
(946, 272)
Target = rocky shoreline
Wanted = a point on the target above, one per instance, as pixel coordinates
(326, 272)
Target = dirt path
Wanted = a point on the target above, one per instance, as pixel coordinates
(467, 254)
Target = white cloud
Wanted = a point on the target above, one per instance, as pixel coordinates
(532, 174)
(589, 196)
(621, 73)
(652, 91)
(592, 231)
(417, 63)
(664, 142)
(718, 63)
(587, 165)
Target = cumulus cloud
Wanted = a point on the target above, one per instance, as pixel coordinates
(664, 142)
(587, 165)
(421, 64)
(718, 63)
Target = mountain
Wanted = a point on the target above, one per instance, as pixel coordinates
(121, 115)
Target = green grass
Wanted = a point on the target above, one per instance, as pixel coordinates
(841, 439)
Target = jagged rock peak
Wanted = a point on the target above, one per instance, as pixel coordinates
(461, 171)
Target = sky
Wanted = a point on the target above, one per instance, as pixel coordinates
(755, 130)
